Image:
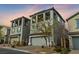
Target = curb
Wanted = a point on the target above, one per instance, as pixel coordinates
(18, 50)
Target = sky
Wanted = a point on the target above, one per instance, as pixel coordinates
(9, 12)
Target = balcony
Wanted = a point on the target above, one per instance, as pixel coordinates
(15, 30)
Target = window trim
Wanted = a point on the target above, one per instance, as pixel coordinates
(77, 21)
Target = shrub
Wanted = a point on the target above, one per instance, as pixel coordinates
(42, 46)
(57, 49)
(17, 43)
(65, 50)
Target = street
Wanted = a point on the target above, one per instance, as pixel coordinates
(8, 51)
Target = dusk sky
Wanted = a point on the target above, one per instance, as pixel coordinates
(10, 12)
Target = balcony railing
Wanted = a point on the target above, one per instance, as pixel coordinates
(15, 30)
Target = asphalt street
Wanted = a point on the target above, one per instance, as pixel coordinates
(9, 51)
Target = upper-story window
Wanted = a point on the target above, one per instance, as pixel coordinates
(55, 16)
(13, 24)
(20, 21)
(77, 23)
(40, 17)
(47, 16)
(34, 19)
(16, 23)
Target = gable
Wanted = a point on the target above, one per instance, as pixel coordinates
(72, 16)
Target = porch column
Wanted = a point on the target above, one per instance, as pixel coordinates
(64, 43)
(49, 43)
(18, 22)
(44, 17)
(30, 41)
(4, 39)
(9, 40)
(21, 37)
(70, 42)
(52, 31)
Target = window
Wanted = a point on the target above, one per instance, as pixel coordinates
(59, 19)
(34, 19)
(47, 15)
(16, 23)
(33, 26)
(20, 21)
(19, 29)
(25, 22)
(13, 30)
(13, 24)
(77, 23)
(55, 16)
(40, 17)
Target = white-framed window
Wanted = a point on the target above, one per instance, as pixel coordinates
(40, 17)
(77, 21)
(33, 19)
(47, 15)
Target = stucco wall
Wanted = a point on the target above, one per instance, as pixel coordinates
(72, 24)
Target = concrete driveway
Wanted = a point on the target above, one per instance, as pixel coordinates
(74, 52)
(11, 51)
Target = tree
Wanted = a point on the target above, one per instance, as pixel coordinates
(1, 34)
(1, 31)
(48, 28)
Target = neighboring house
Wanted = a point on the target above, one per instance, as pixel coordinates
(5, 33)
(73, 27)
(57, 25)
(19, 31)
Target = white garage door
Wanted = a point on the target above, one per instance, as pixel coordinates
(38, 41)
(75, 41)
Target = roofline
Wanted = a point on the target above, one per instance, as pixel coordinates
(72, 16)
(41, 11)
(20, 17)
(5, 26)
(73, 33)
(58, 14)
(47, 10)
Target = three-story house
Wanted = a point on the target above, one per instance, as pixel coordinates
(20, 30)
(46, 28)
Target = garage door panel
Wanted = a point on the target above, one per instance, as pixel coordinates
(75, 42)
(38, 41)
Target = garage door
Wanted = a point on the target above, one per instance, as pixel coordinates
(14, 39)
(38, 41)
(75, 42)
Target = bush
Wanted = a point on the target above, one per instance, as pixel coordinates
(42, 46)
(57, 49)
(13, 46)
(17, 43)
(65, 50)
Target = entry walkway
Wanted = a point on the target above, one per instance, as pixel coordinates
(37, 49)
(74, 52)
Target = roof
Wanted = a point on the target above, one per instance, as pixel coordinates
(73, 33)
(5, 26)
(47, 10)
(20, 18)
(72, 16)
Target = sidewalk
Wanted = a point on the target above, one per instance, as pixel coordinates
(74, 52)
